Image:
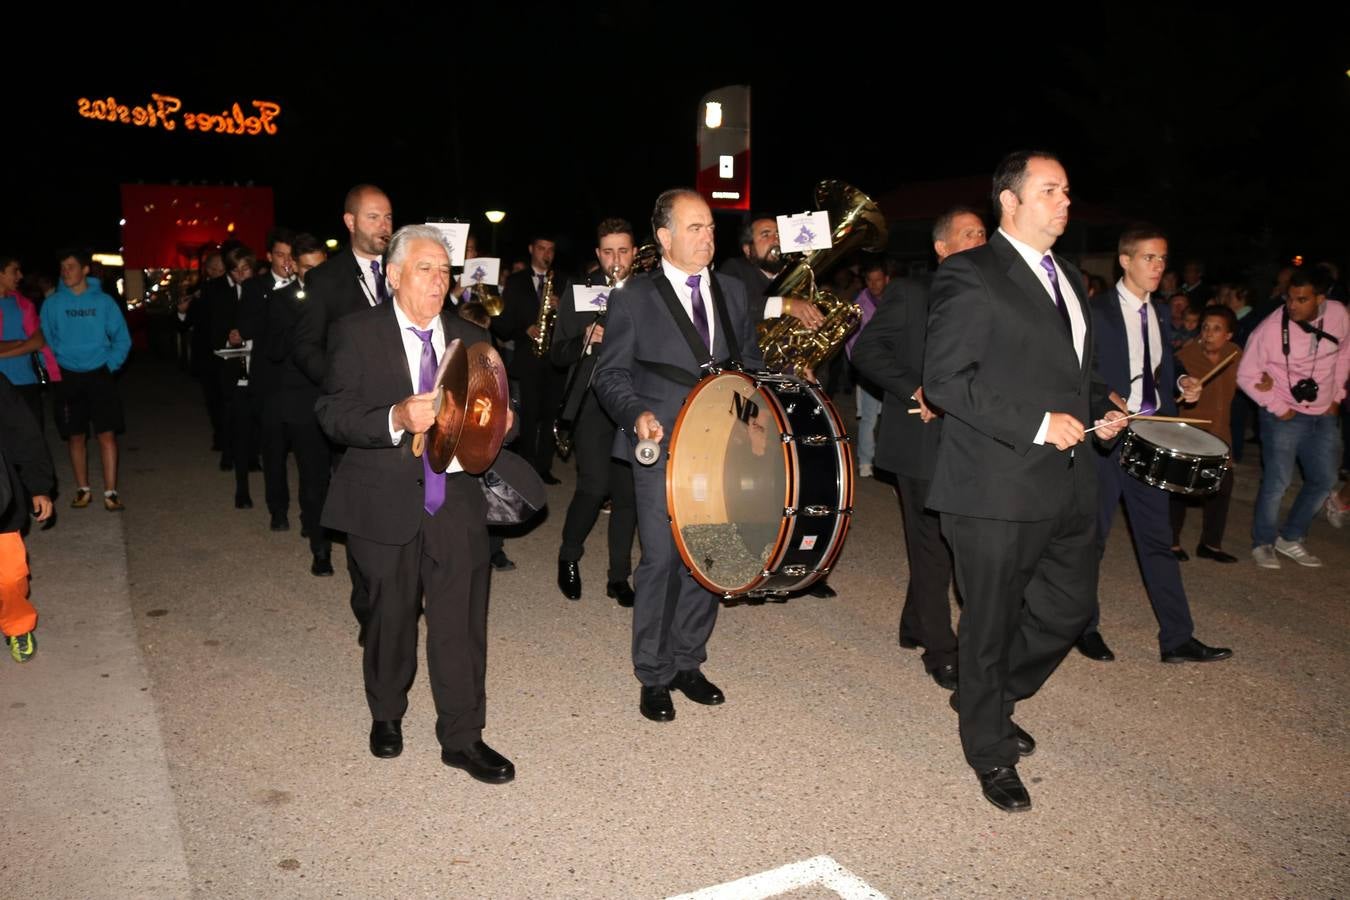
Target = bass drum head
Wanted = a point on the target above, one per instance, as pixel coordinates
(727, 482)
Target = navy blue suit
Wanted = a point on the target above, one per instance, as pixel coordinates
(1146, 506)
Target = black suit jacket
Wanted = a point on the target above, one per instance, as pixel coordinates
(889, 353)
(567, 350)
(755, 281)
(1111, 348)
(640, 328)
(264, 373)
(997, 359)
(520, 310)
(333, 289)
(223, 308)
(295, 393)
(377, 491)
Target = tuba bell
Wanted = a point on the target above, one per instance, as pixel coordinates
(857, 224)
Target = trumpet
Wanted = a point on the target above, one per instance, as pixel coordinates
(548, 315)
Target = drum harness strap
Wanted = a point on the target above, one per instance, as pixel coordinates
(682, 321)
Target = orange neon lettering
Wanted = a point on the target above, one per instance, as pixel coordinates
(165, 109)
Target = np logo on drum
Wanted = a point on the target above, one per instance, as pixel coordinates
(743, 408)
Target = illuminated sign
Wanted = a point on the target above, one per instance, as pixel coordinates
(165, 111)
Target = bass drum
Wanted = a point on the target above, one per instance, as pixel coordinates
(759, 484)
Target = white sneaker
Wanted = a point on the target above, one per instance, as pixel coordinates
(1335, 512)
(1295, 551)
(864, 470)
(1265, 557)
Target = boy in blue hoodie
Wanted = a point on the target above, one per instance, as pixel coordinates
(87, 332)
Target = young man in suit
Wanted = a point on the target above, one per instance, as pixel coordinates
(1009, 360)
(350, 281)
(579, 338)
(415, 533)
(889, 352)
(1143, 373)
(663, 330)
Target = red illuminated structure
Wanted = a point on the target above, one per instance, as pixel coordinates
(724, 147)
(167, 226)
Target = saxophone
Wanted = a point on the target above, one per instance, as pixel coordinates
(789, 346)
(548, 314)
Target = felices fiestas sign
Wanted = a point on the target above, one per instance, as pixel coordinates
(165, 111)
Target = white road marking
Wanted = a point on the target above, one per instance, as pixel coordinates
(818, 870)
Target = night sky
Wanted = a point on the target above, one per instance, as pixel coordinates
(1232, 133)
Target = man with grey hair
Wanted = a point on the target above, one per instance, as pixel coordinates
(418, 537)
(664, 331)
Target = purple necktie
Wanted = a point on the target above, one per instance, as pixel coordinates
(434, 494)
(1148, 403)
(700, 314)
(381, 292)
(1048, 263)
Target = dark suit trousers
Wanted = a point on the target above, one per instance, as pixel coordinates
(673, 616)
(1151, 528)
(927, 616)
(599, 475)
(447, 563)
(1027, 588)
(1213, 512)
(242, 413)
(312, 462)
(540, 396)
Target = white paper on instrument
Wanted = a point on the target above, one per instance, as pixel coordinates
(480, 270)
(590, 299)
(456, 235)
(804, 232)
(236, 352)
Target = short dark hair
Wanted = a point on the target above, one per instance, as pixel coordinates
(875, 264)
(238, 254)
(748, 229)
(665, 205)
(82, 256)
(306, 243)
(352, 202)
(280, 235)
(1011, 173)
(1313, 278)
(6, 258)
(614, 225)
(1219, 311)
(541, 236)
(944, 222)
(1135, 235)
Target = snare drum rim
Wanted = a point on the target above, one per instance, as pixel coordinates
(785, 524)
(1222, 461)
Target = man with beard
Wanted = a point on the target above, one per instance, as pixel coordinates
(763, 260)
(348, 282)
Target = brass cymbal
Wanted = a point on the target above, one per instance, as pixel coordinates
(452, 379)
(487, 401)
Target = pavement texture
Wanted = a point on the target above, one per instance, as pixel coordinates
(194, 724)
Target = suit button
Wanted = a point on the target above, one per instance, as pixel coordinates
(419, 482)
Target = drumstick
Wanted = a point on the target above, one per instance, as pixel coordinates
(1215, 371)
(1114, 421)
(1178, 419)
(913, 412)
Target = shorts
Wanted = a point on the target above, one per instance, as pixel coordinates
(84, 398)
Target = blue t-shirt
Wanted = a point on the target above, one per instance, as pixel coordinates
(18, 369)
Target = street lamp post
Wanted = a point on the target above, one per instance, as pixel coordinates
(494, 216)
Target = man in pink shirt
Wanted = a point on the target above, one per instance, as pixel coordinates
(1294, 367)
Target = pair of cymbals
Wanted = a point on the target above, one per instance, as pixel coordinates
(471, 408)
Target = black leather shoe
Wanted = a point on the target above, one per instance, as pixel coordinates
(1092, 646)
(386, 738)
(1181, 555)
(1004, 789)
(255, 465)
(822, 590)
(1205, 552)
(501, 563)
(1194, 651)
(549, 478)
(322, 565)
(909, 643)
(696, 687)
(656, 704)
(946, 677)
(304, 532)
(243, 501)
(621, 592)
(482, 762)
(280, 522)
(569, 579)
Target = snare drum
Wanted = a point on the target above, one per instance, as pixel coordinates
(759, 483)
(1174, 456)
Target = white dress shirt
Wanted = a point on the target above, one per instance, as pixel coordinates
(1129, 308)
(1077, 324)
(678, 279)
(371, 289)
(412, 351)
